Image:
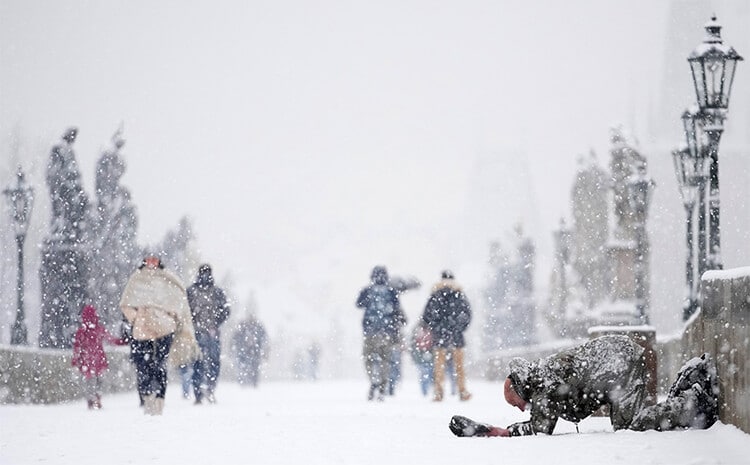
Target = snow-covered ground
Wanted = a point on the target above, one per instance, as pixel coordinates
(329, 422)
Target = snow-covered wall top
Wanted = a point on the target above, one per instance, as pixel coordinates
(734, 273)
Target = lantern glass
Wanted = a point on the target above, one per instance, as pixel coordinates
(730, 68)
(699, 80)
(20, 202)
(690, 126)
(21, 198)
(710, 79)
(678, 157)
(19, 205)
(685, 167)
(715, 81)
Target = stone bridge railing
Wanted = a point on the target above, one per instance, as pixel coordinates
(723, 330)
(30, 375)
(45, 376)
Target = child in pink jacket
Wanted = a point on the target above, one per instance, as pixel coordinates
(89, 356)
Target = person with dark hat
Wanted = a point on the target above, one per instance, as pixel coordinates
(210, 309)
(572, 384)
(606, 371)
(447, 315)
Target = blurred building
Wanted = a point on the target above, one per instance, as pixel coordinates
(509, 305)
(601, 274)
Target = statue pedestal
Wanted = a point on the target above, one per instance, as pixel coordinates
(622, 266)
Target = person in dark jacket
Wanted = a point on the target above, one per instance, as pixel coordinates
(400, 285)
(381, 326)
(250, 345)
(210, 309)
(609, 370)
(447, 315)
(572, 384)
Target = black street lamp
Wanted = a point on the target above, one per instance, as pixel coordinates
(21, 199)
(696, 172)
(690, 172)
(713, 65)
(639, 190)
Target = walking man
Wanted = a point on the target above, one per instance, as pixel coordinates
(381, 326)
(209, 309)
(249, 343)
(447, 315)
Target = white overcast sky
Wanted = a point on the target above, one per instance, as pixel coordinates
(298, 131)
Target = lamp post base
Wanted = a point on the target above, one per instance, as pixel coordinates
(18, 333)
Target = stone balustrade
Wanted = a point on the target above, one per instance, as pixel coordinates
(45, 376)
(723, 329)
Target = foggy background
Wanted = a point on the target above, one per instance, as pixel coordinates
(310, 141)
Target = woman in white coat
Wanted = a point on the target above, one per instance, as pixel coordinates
(155, 304)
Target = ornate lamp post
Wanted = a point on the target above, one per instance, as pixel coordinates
(21, 199)
(639, 188)
(690, 174)
(713, 65)
(697, 166)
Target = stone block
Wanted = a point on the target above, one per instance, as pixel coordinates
(740, 300)
(714, 295)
